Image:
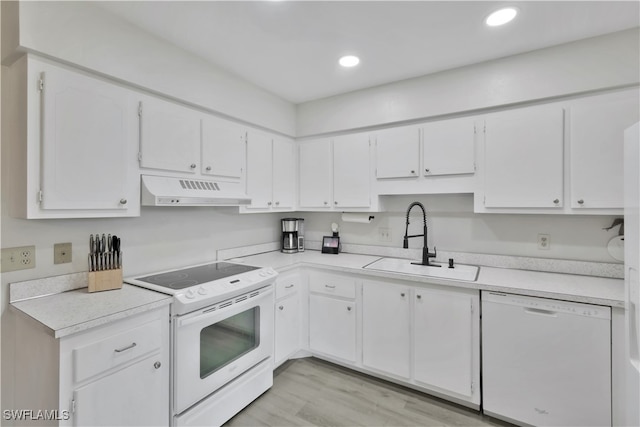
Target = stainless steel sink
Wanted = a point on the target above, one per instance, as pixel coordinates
(464, 272)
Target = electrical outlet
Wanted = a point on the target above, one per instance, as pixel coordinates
(384, 234)
(18, 258)
(61, 253)
(544, 242)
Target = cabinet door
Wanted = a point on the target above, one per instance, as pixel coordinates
(597, 139)
(169, 136)
(223, 147)
(398, 152)
(332, 327)
(286, 327)
(316, 174)
(448, 147)
(89, 127)
(444, 329)
(284, 173)
(136, 395)
(259, 170)
(351, 173)
(523, 158)
(386, 337)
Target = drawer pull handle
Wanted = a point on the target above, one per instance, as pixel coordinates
(289, 286)
(281, 308)
(348, 308)
(330, 286)
(419, 296)
(120, 350)
(157, 365)
(402, 295)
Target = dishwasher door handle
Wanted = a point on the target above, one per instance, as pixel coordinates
(540, 312)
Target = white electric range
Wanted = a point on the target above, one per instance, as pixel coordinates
(221, 338)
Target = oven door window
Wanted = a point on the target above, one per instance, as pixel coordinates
(229, 339)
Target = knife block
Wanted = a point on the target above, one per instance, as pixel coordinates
(105, 280)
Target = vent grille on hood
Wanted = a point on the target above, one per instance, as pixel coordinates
(174, 191)
(190, 184)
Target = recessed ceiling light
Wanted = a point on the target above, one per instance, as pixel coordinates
(349, 61)
(501, 16)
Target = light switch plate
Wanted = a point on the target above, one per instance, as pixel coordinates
(61, 253)
(18, 258)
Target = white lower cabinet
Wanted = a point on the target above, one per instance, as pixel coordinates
(332, 327)
(114, 374)
(446, 341)
(287, 317)
(428, 336)
(386, 328)
(333, 316)
(121, 398)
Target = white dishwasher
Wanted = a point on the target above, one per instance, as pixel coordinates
(546, 362)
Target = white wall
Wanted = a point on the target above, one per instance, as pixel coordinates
(452, 226)
(592, 64)
(83, 34)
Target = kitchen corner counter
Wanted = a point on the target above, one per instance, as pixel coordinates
(67, 313)
(569, 287)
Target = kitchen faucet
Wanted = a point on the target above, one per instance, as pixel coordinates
(425, 249)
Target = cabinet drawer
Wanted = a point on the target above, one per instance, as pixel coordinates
(332, 284)
(287, 285)
(100, 356)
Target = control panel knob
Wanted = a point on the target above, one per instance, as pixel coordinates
(202, 290)
(190, 294)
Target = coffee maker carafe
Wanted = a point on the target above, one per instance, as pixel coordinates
(289, 235)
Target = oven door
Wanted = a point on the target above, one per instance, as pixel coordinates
(217, 344)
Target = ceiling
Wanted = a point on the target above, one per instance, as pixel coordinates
(291, 48)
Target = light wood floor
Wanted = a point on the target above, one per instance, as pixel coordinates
(312, 392)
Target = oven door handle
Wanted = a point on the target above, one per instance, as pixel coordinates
(206, 315)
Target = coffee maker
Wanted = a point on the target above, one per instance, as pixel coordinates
(289, 235)
(292, 235)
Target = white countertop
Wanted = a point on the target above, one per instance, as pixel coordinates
(73, 311)
(569, 287)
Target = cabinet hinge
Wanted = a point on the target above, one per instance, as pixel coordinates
(139, 109)
(473, 387)
(40, 85)
(40, 196)
(139, 156)
(73, 406)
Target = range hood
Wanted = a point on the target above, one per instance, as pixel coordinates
(174, 191)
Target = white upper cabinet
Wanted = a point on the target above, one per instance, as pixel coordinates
(169, 136)
(351, 171)
(597, 127)
(316, 174)
(76, 156)
(398, 152)
(284, 173)
(259, 170)
(523, 158)
(223, 149)
(448, 147)
(336, 173)
(271, 172)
